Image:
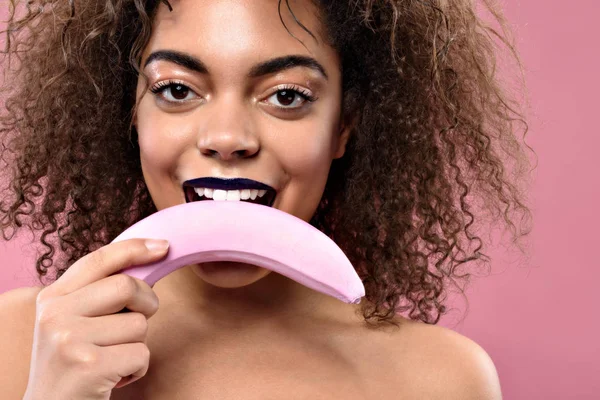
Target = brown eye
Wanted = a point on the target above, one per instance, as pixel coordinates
(179, 92)
(286, 97)
(173, 92)
(290, 99)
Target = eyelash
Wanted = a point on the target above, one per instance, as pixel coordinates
(160, 87)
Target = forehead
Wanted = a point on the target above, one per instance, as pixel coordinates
(231, 33)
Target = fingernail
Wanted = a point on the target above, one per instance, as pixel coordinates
(157, 245)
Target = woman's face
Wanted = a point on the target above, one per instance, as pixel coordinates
(218, 106)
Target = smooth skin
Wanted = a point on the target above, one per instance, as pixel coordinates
(230, 124)
(82, 346)
(227, 330)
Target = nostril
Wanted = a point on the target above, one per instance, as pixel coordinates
(227, 155)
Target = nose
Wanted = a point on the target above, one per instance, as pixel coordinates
(228, 133)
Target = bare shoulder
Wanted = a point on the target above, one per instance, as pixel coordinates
(439, 363)
(17, 313)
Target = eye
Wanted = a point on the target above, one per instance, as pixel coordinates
(173, 91)
(291, 97)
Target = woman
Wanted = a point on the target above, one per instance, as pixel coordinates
(373, 120)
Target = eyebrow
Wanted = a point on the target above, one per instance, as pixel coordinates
(264, 68)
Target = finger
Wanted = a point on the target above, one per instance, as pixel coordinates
(125, 359)
(124, 328)
(111, 295)
(104, 262)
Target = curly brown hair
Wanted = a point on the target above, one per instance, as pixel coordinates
(434, 126)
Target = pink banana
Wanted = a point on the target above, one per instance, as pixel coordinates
(205, 231)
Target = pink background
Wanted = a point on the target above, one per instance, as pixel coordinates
(538, 323)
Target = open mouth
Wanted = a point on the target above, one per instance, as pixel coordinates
(238, 189)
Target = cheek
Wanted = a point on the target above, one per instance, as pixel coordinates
(161, 141)
(306, 151)
(158, 137)
(154, 154)
(306, 158)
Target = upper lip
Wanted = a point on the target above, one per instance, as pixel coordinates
(212, 182)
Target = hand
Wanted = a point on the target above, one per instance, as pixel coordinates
(84, 346)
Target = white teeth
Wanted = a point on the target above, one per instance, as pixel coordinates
(220, 195)
(233, 195)
(230, 195)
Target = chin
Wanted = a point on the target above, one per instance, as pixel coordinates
(229, 274)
